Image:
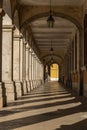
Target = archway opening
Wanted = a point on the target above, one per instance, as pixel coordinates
(54, 72)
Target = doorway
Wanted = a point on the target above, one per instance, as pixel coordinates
(54, 72)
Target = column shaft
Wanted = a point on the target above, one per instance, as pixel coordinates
(3, 101)
(24, 69)
(16, 65)
(7, 60)
(27, 68)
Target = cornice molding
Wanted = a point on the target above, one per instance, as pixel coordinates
(8, 27)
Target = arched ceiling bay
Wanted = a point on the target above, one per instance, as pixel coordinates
(63, 31)
(60, 36)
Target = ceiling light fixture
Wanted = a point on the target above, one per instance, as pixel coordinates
(50, 19)
(51, 53)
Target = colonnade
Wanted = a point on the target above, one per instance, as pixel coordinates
(21, 71)
(70, 70)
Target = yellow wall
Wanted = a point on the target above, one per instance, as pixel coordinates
(54, 72)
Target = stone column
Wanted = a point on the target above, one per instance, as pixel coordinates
(16, 65)
(7, 60)
(30, 78)
(3, 101)
(33, 68)
(38, 72)
(24, 69)
(32, 74)
(35, 71)
(27, 67)
(42, 73)
(21, 63)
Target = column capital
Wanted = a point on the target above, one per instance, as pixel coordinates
(30, 50)
(35, 57)
(33, 53)
(27, 48)
(25, 43)
(18, 36)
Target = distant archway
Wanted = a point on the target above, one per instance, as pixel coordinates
(54, 72)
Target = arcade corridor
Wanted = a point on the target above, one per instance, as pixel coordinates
(43, 41)
(49, 107)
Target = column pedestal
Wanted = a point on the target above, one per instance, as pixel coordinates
(31, 82)
(25, 89)
(28, 86)
(10, 91)
(34, 84)
(19, 88)
(37, 83)
(3, 98)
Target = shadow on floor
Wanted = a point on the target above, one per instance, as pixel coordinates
(37, 100)
(36, 107)
(82, 125)
(43, 95)
(30, 120)
(47, 116)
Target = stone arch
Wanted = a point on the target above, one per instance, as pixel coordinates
(16, 22)
(56, 14)
(52, 55)
(58, 61)
(55, 62)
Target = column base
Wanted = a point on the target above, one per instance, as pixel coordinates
(19, 88)
(31, 83)
(38, 83)
(25, 89)
(34, 84)
(28, 86)
(3, 98)
(10, 91)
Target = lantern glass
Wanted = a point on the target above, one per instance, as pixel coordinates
(50, 21)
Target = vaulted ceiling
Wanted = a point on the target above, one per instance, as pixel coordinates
(60, 35)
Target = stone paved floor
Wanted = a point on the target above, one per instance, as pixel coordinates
(49, 107)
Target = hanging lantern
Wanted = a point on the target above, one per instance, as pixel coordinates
(50, 19)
